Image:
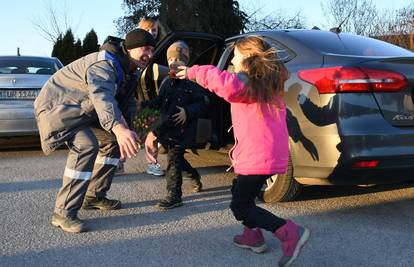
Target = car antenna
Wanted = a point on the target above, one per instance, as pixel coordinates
(18, 51)
(338, 29)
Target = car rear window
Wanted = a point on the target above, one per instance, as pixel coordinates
(28, 66)
(348, 44)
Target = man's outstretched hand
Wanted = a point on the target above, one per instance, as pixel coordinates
(126, 140)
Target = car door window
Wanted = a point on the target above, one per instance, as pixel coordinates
(283, 53)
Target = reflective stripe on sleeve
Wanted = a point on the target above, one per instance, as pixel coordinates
(77, 174)
(107, 161)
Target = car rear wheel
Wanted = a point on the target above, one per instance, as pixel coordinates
(281, 187)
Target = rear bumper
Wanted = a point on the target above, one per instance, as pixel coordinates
(350, 128)
(395, 153)
(346, 175)
(17, 121)
(10, 128)
(388, 170)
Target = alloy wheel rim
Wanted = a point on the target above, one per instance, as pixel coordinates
(270, 182)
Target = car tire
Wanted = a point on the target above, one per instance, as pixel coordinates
(281, 187)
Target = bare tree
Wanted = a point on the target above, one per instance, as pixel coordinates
(352, 16)
(259, 18)
(54, 24)
(397, 27)
(275, 21)
(406, 19)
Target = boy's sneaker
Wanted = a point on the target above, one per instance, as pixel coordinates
(251, 239)
(70, 224)
(155, 169)
(100, 203)
(293, 238)
(169, 203)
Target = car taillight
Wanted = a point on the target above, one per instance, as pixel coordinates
(365, 164)
(353, 79)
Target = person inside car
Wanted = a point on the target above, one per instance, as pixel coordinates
(153, 26)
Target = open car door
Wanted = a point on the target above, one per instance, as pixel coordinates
(205, 49)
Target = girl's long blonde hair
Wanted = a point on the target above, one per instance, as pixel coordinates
(147, 23)
(266, 73)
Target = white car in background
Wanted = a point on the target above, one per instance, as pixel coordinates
(21, 78)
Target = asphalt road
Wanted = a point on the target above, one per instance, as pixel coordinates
(351, 226)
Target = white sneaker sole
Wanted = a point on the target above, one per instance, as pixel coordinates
(155, 173)
(302, 241)
(257, 250)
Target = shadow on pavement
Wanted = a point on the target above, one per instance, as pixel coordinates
(204, 247)
(157, 217)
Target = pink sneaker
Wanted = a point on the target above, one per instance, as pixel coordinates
(252, 239)
(293, 238)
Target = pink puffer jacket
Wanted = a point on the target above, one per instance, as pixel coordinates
(261, 138)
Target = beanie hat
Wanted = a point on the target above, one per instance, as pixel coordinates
(137, 38)
(179, 50)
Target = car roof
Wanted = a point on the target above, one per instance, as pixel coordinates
(287, 32)
(26, 57)
(330, 43)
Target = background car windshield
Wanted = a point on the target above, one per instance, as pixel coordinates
(28, 66)
(347, 44)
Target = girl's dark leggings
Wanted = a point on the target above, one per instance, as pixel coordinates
(244, 191)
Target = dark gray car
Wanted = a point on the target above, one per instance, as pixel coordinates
(21, 78)
(350, 106)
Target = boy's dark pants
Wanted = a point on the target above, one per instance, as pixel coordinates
(244, 191)
(177, 164)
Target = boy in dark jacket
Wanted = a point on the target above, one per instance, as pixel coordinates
(181, 103)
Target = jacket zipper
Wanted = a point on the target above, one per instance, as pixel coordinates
(231, 151)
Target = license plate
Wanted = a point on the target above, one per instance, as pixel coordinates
(18, 94)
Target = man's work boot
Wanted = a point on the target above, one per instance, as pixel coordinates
(252, 239)
(70, 224)
(101, 203)
(169, 202)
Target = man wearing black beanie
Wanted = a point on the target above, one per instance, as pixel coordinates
(88, 106)
(138, 42)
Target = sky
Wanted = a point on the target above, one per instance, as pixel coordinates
(18, 18)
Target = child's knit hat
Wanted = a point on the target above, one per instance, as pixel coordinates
(179, 50)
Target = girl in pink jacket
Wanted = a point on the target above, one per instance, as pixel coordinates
(261, 139)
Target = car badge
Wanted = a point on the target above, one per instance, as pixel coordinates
(14, 81)
(403, 117)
